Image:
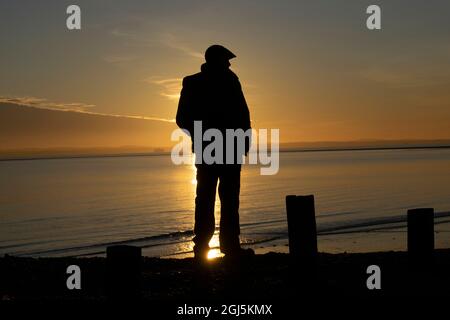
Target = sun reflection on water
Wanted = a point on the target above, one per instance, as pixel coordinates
(214, 252)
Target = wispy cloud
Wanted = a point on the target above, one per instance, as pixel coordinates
(167, 40)
(40, 103)
(170, 87)
(173, 42)
(45, 104)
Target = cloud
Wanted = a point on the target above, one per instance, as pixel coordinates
(41, 103)
(167, 40)
(172, 42)
(45, 104)
(171, 87)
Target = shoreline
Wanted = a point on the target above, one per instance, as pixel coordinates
(352, 239)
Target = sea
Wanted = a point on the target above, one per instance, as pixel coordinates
(78, 206)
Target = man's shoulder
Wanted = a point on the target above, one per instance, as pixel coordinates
(192, 79)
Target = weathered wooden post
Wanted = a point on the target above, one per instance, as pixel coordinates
(123, 272)
(302, 242)
(421, 233)
(421, 248)
(302, 231)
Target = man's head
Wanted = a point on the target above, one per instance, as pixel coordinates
(218, 55)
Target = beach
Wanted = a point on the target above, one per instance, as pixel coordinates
(268, 277)
(62, 212)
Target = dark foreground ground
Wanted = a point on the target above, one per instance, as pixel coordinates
(173, 288)
(265, 278)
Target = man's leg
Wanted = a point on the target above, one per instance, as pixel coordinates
(204, 208)
(229, 187)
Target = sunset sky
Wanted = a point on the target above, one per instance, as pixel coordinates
(309, 68)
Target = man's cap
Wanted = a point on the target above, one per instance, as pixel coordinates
(217, 52)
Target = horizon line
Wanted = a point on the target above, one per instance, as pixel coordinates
(166, 153)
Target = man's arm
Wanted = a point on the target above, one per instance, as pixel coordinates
(245, 116)
(184, 113)
(244, 113)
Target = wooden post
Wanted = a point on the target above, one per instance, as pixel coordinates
(301, 226)
(421, 232)
(421, 248)
(123, 274)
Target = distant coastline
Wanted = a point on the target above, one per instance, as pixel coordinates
(45, 154)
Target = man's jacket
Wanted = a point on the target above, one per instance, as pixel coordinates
(214, 97)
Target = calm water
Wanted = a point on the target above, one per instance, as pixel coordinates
(78, 206)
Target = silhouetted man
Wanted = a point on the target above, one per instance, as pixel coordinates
(214, 96)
